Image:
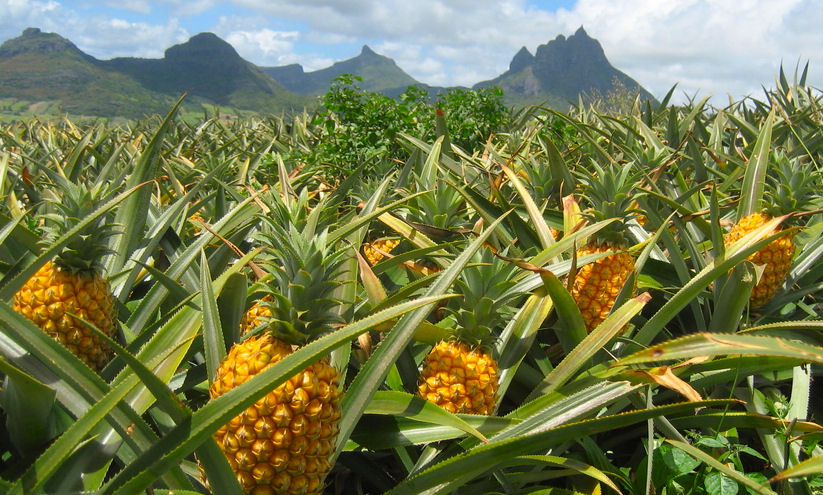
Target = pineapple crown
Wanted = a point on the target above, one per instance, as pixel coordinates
(305, 269)
(85, 250)
(791, 186)
(611, 193)
(485, 287)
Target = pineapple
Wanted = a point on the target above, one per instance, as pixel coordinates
(374, 251)
(73, 283)
(256, 315)
(459, 373)
(282, 444)
(596, 285)
(787, 190)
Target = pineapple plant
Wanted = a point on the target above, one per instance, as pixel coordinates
(596, 285)
(282, 444)
(72, 285)
(789, 189)
(460, 373)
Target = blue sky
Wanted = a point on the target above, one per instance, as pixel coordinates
(706, 47)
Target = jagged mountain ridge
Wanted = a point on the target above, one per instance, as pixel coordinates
(45, 66)
(559, 71)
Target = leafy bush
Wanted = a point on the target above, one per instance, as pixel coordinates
(356, 126)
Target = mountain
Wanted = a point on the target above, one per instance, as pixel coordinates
(378, 73)
(210, 69)
(43, 67)
(559, 71)
(39, 67)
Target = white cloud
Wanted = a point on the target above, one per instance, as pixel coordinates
(139, 6)
(265, 46)
(119, 38)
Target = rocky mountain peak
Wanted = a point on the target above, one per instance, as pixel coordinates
(33, 40)
(204, 45)
(521, 60)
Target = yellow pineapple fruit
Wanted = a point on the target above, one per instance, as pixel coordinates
(283, 443)
(374, 250)
(788, 189)
(72, 285)
(460, 378)
(460, 373)
(776, 257)
(256, 315)
(596, 285)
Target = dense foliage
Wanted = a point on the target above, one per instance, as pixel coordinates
(358, 126)
(360, 239)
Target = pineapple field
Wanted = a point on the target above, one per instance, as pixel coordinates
(395, 296)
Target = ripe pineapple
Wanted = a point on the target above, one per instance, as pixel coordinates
(256, 315)
(72, 283)
(460, 374)
(789, 189)
(282, 444)
(597, 284)
(373, 250)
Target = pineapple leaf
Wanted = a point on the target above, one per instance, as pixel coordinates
(751, 193)
(709, 344)
(403, 404)
(78, 388)
(595, 341)
(535, 215)
(457, 470)
(134, 212)
(213, 343)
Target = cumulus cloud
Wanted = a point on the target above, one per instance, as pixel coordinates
(139, 6)
(119, 38)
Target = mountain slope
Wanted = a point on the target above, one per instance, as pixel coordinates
(378, 73)
(39, 66)
(209, 68)
(559, 71)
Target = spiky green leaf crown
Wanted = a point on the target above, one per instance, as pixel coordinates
(485, 287)
(611, 193)
(305, 269)
(791, 186)
(70, 206)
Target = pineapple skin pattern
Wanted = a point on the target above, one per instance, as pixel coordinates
(53, 295)
(597, 284)
(283, 442)
(776, 258)
(373, 251)
(459, 378)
